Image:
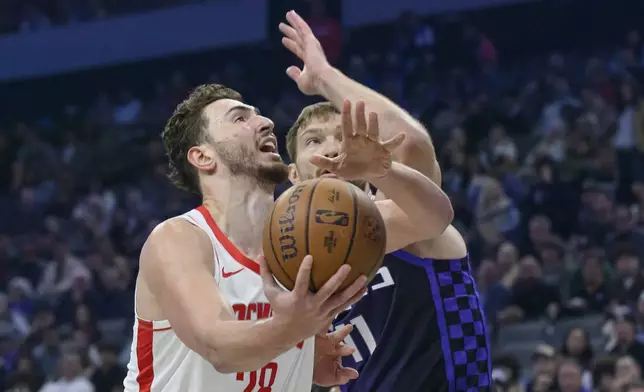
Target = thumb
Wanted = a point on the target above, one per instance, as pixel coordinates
(324, 162)
(394, 142)
(293, 72)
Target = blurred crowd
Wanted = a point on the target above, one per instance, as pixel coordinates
(25, 16)
(543, 158)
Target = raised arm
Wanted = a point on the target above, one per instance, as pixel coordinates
(176, 267)
(318, 77)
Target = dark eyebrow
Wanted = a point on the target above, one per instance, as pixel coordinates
(244, 109)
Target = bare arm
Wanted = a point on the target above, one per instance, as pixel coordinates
(423, 211)
(417, 150)
(176, 264)
(320, 78)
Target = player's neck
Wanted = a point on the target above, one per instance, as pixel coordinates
(240, 207)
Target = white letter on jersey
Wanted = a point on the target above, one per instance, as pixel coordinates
(363, 330)
(387, 280)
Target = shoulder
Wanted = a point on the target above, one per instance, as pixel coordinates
(174, 239)
(176, 232)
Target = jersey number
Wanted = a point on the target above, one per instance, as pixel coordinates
(360, 325)
(266, 378)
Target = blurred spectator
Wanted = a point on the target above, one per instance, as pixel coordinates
(627, 343)
(577, 346)
(496, 214)
(71, 377)
(588, 288)
(26, 376)
(13, 323)
(506, 373)
(108, 376)
(569, 377)
(544, 369)
(128, 109)
(628, 157)
(48, 349)
(60, 273)
(629, 283)
(627, 371)
(532, 298)
(603, 374)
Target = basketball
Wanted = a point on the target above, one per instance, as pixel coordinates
(332, 220)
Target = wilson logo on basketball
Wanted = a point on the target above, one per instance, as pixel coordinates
(332, 218)
(286, 222)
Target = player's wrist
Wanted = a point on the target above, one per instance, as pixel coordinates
(382, 174)
(326, 77)
(289, 329)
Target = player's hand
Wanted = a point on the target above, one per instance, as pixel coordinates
(362, 155)
(329, 350)
(304, 313)
(300, 40)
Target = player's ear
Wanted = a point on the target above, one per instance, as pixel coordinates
(293, 175)
(203, 158)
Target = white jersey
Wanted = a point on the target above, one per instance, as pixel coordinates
(160, 362)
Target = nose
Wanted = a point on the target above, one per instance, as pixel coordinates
(266, 126)
(332, 149)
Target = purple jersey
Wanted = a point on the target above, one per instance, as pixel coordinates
(419, 328)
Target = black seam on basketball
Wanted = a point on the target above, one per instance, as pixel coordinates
(354, 198)
(306, 234)
(270, 238)
(383, 250)
(375, 264)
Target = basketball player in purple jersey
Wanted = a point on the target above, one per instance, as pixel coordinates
(421, 325)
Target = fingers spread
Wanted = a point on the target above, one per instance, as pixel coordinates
(361, 120)
(394, 142)
(373, 128)
(347, 121)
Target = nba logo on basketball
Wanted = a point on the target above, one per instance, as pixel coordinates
(332, 218)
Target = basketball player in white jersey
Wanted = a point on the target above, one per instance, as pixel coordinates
(208, 316)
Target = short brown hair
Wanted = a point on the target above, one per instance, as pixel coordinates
(322, 110)
(185, 129)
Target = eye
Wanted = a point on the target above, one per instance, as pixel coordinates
(240, 119)
(311, 141)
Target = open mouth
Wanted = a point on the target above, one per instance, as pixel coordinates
(268, 146)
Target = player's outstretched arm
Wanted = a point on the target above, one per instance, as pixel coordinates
(176, 265)
(318, 77)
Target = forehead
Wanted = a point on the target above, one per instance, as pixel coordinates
(322, 124)
(221, 107)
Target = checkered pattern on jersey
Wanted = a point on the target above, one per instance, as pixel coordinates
(465, 325)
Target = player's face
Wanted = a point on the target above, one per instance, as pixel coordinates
(244, 142)
(322, 136)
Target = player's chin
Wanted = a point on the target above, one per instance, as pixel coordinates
(270, 157)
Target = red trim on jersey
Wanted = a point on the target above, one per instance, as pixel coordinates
(161, 329)
(237, 254)
(144, 355)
